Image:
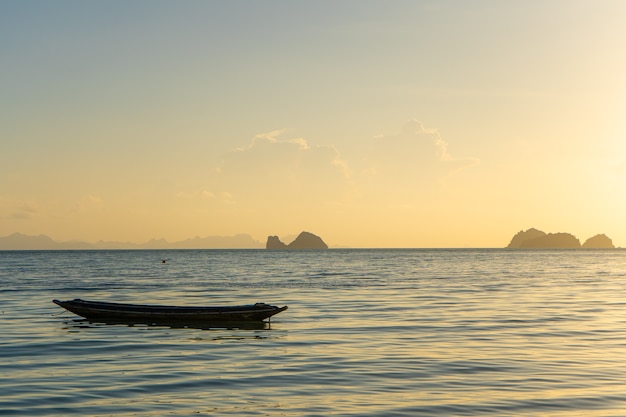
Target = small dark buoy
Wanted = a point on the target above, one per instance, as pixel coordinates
(163, 261)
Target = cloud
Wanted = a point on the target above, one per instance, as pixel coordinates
(281, 171)
(202, 194)
(16, 209)
(416, 154)
(205, 198)
(276, 172)
(24, 212)
(413, 167)
(278, 177)
(272, 137)
(89, 202)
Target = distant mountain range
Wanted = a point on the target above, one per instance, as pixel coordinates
(18, 241)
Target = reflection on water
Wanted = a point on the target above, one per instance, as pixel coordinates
(367, 333)
(174, 324)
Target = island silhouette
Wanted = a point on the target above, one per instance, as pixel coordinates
(528, 239)
(537, 239)
(305, 240)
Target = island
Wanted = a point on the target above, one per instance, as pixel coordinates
(305, 240)
(537, 239)
(599, 242)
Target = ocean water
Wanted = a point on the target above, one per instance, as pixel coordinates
(367, 333)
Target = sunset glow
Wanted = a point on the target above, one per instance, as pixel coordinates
(371, 124)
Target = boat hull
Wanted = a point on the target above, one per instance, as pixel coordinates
(154, 314)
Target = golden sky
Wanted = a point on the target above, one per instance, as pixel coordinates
(369, 123)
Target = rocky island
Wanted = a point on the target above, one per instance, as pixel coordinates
(537, 239)
(305, 240)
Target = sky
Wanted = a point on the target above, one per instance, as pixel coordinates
(369, 123)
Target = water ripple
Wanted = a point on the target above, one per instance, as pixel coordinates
(367, 333)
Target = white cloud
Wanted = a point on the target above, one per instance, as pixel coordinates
(408, 168)
(272, 137)
(414, 154)
(284, 171)
(276, 172)
(283, 176)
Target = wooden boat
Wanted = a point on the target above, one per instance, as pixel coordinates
(155, 314)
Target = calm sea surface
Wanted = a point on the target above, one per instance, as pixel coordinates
(367, 333)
